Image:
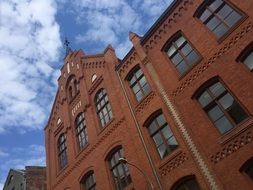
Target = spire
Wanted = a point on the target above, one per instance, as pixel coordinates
(67, 47)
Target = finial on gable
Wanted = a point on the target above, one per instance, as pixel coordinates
(67, 47)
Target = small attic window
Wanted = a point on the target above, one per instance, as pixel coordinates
(58, 121)
(93, 78)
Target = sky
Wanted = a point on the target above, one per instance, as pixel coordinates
(32, 34)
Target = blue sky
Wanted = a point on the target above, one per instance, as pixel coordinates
(32, 33)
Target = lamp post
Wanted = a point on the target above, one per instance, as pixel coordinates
(125, 161)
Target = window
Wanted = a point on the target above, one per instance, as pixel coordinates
(89, 182)
(221, 107)
(246, 57)
(120, 172)
(162, 135)
(182, 54)
(62, 151)
(139, 84)
(247, 168)
(72, 87)
(103, 106)
(81, 131)
(186, 183)
(219, 16)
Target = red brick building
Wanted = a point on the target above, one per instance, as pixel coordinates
(178, 106)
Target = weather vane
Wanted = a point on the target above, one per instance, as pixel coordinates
(67, 47)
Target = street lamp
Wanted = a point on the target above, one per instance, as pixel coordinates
(125, 161)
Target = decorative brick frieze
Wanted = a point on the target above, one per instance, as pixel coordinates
(201, 68)
(146, 102)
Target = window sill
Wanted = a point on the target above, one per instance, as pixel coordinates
(82, 150)
(227, 34)
(169, 157)
(61, 171)
(106, 126)
(237, 130)
(191, 68)
(143, 99)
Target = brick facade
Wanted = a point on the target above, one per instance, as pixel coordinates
(212, 159)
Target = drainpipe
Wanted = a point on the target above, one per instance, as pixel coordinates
(140, 133)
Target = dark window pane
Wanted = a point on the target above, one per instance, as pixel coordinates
(161, 120)
(186, 49)
(158, 139)
(249, 171)
(180, 41)
(215, 113)
(162, 151)
(226, 101)
(204, 99)
(213, 23)
(172, 142)
(223, 124)
(237, 113)
(171, 50)
(216, 4)
(220, 30)
(177, 58)
(225, 11)
(152, 127)
(138, 73)
(182, 67)
(233, 18)
(217, 89)
(167, 133)
(192, 57)
(205, 15)
(249, 61)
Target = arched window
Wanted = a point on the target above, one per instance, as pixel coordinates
(246, 57)
(88, 181)
(119, 171)
(72, 87)
(162, 135)
(186, 183)
(247, 168)
(221, 106)
(219, 16)
(138, 83)
(81, 131)
(62, 151)
(104, 110)
(181, 53)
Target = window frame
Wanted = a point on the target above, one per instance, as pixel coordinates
(153, 118)
(244, 55)
(78, 124)
(62, 154)
(207, 107)
(130, 75)
(107, 103)
(86, 177)
(127, 176)
(184, 179)
(201, 9)
(168, 45)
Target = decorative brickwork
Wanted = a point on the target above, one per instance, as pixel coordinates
(145, 102)
(204, 66)
(172, 19)
(173, 164)
(95, 85)
(97, 64)
(126, 66)
(233, 147)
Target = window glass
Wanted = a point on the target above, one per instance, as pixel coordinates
(249, 61)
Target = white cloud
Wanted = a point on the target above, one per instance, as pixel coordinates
(29, 48)
(3, 153)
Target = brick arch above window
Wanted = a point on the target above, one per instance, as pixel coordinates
(186, 183)
(88, 181)
(247, 168)
(246, 56)
(181, 53)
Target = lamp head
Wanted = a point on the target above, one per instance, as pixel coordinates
(123, 160)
